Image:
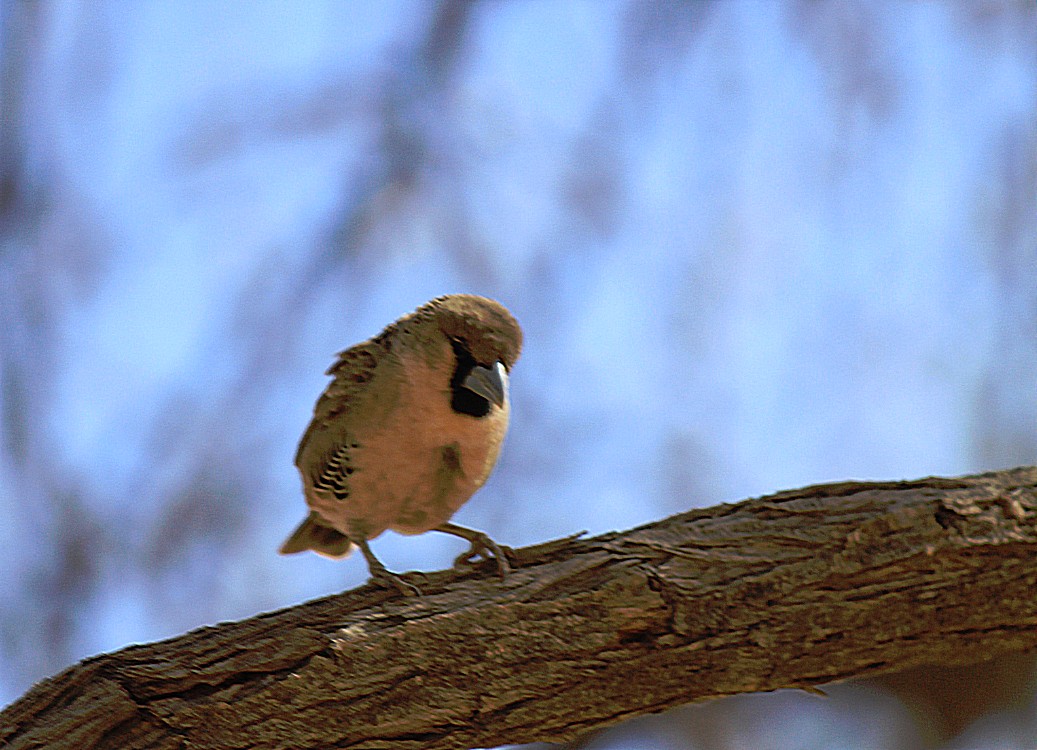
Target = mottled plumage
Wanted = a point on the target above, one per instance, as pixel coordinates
(408, 429)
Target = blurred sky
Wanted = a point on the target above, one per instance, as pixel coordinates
(754, 245)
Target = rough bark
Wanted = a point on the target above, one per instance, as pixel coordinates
(796, 589)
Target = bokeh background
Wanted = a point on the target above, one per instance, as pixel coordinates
(754, 245)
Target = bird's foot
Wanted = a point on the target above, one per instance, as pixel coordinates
(382, 575)
(485, 548)
(397, 581)
(481, 546)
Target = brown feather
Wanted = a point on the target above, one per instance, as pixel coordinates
(385, 448)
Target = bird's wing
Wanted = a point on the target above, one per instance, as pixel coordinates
(323, 453)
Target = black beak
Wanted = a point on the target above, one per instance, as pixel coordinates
(489, 382)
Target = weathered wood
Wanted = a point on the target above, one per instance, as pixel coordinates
(796, 589)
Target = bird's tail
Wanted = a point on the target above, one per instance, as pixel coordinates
(314, 534)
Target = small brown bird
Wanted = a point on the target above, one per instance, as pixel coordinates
(408, 429)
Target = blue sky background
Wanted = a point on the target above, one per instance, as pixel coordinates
(753, 246)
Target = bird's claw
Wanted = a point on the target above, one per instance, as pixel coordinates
(486, 548)
(397, 581)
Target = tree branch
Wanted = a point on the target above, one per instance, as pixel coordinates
(796, 589)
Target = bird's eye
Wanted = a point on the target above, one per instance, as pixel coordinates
(460, 345)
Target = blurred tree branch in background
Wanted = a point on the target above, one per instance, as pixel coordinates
(796, 589)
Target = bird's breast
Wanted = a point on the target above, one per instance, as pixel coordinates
(423, 460)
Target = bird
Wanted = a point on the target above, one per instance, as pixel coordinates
(408, 429)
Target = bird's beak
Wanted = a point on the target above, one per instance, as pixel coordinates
(489, 382)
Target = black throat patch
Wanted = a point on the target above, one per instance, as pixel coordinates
(462, 400)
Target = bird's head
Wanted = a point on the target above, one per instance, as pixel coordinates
(486, 340)
(482, 326)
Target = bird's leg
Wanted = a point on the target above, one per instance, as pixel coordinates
(383, 575)
(482, 546)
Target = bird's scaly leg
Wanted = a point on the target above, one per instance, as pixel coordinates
(482, 546)
(383, 575)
